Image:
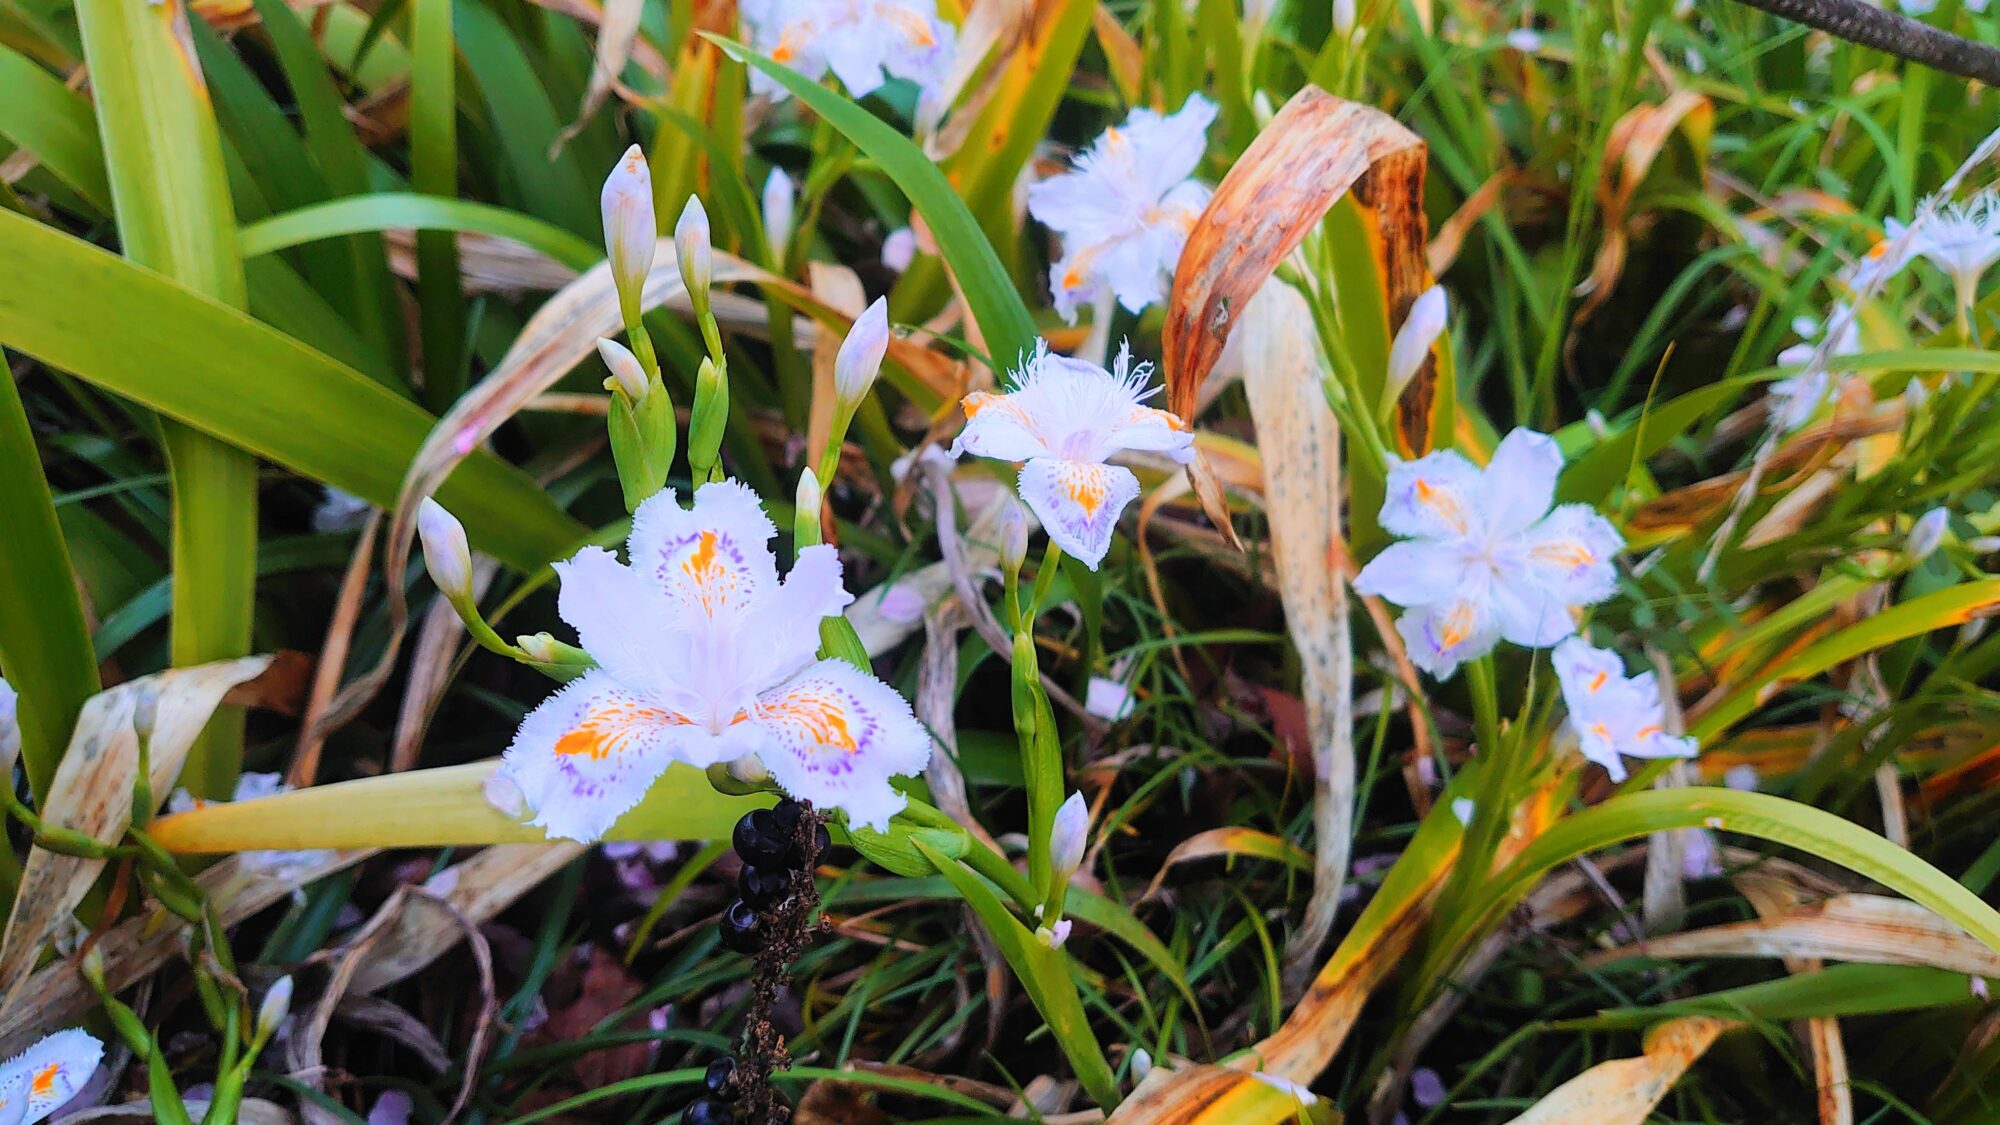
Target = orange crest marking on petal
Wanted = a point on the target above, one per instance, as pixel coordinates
(603, 731)
(822, 718)
(45, 1080)
(1649, 731)
(1457, 627)
(1087, 491)
(1442, 504)
(1567, 554)
(1597, 682)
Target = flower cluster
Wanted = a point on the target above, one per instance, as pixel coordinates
(704, 656)
(1487, 558)
(1125, 211)
(1064, 418)
(863, 42)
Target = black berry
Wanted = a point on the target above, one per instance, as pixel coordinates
(758, 841)
(764, 887)
(740, 929)
(822, 841)
(708, 1111)
(785, 817)
(717, 1079)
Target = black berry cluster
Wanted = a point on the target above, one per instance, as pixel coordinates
(772, 848)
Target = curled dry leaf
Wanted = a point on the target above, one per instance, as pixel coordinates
(1232, 842)
(1315, 150)
(1635, 143)
(1624, 1091)
(92, 791)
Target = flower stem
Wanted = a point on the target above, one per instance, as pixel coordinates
(1492, 802)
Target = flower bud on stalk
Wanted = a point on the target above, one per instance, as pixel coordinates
(626, 374)
(277, 1002)
(641, 424)
(446, 554)
(554, 659)
(1066, 844)
(855, 367)
(631, 232)
(710, 417)
(696, 256)
(805, 511)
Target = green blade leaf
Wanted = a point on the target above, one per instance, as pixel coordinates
(275, 397)
(989, 293)
(44, 646)
(1044, 972)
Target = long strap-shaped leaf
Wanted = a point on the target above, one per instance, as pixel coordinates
(44, 645)
(144, 337)
(989, 293)
(170, 195)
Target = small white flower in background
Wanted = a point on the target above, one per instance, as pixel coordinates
(899, 249)
(781, 202)
(1485, 557)
(1525, 40)
(863, 42)
(1413, 341)
(1068, 838)
(446, 554)
(1612, 713)
(1979, 988)
(250, 787)
(1977, 7)
(1108, 699)
(1125, 211)
(1463, 808)
(339, 510)
(1065, 417)
(1962, 239)
(394, 1107)
(1742, 777)
(1053, 936)
(1792, 402)
(704, 656)
(1426, 1088)
(39, 1080)
(1917, 7)
(631, 233)
(10, 730)
(1927, 533)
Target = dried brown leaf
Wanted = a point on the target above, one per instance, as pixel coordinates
(92, 791)
(1624, 1091)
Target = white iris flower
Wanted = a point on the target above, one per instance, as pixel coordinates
(1484, 557)
(1065, 417)
(1125, 211)
(704, 656)
(1611, 713)
(41, 1079)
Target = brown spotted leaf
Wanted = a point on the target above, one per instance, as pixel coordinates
(1315, 151)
